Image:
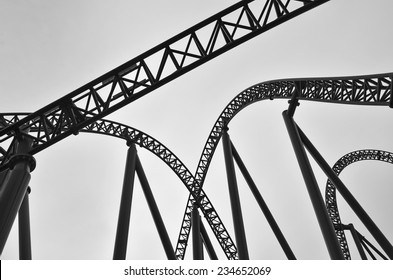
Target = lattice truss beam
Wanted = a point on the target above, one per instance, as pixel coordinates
(361, 90)
(144, 140)
(154, 68)
(330, 193)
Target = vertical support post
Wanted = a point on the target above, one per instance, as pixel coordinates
(349, 198)
(262, 204)
(237, 216)
(123, 223)
(166, 242)
(358, 243)
(314, 192)
(24, 229)
(14, 187)
(208, 244)
(196, 234)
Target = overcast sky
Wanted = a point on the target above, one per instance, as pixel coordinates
(50, 47)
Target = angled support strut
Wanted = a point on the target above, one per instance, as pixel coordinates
(237, 215)
(155, 212)
(323, 218)
(349, 198)
(262, 204)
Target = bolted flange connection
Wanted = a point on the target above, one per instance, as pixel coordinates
(22, 158)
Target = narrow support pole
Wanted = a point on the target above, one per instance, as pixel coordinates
(314, 192)
(208, 244)
(166, 242)
(197, 247)
(237, 216)
(14, 188)
(24, 229)
(367, 244)
(123, 223)
(358, 242)
(349, 198)
(262, 204)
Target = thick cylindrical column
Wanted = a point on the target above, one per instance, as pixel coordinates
(24, 229)
(123, 223)
(197, 248)
(237, 216)
(314, 192)
(3, 175)
(208, 244)
(349, 198)
(166, 242)
(14, 188)
(262, 204)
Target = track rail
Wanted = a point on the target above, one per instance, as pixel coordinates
(359, 90)
(142, 75)
(133, 135)
(330, 193)
(373, 90)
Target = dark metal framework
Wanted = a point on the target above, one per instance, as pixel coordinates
(135, 136)
(330, 194)
(83, 109)
(361, 90)
(141, 75)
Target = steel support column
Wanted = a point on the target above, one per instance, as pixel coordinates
(349, 198)
(357, 240)
(14, 187)
(197, 247)
(262, 204)
(123, 223)
(314, 192)
(166, 242)
(237, 216)
(3, 175)
(24, 229)
(208, 244)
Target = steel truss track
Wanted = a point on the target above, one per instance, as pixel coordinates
(360, 90)
(132, 135)
(330, 194)
(141, 75)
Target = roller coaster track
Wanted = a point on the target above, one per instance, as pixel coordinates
(360, 90)
(331, 202)
(142, 75)
(132, 135)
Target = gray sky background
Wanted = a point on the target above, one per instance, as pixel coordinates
(49, 48)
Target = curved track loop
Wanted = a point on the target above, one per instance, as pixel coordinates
(359, 90)
(144, 140)
(330, 194)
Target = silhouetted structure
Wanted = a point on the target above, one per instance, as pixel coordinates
(83, 110)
